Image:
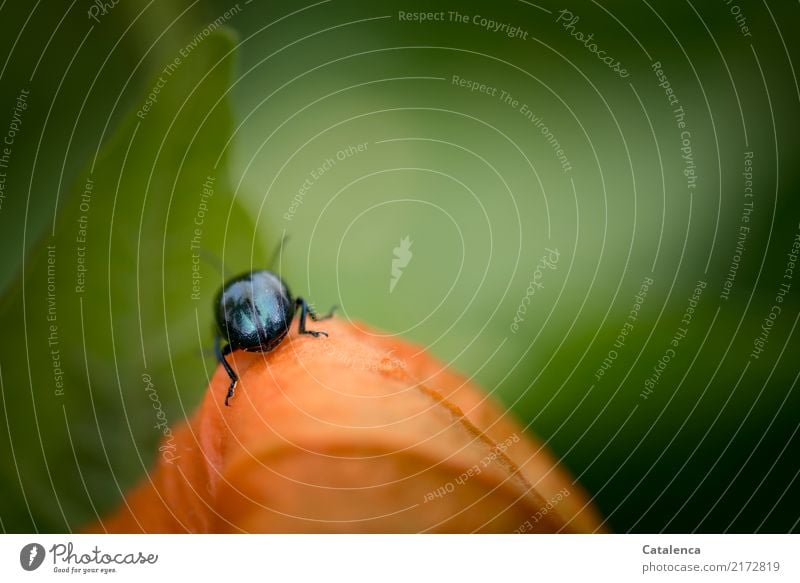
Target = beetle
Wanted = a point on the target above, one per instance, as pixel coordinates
(254, 312)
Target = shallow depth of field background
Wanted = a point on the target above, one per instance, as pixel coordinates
(107, 286)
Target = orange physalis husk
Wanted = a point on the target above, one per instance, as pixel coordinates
(357, 432)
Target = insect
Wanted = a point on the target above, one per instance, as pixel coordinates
(254, 312)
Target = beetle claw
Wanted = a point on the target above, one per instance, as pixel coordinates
(230, 392)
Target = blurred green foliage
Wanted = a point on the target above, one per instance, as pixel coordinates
(113, 321)
(341, 125)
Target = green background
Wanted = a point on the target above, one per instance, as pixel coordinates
(263, 101)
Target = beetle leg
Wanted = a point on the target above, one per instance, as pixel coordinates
(221, 353)
(316, 317)
(306, 310)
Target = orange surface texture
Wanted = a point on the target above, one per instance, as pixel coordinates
(357, 432)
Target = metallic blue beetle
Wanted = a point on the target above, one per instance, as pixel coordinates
(254, 312)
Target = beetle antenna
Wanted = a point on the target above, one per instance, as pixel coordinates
(214, 261)
(276, 255)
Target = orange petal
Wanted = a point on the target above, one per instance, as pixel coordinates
(352, 433)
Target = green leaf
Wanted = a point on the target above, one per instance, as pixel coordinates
(113, 312)
(80, 78)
